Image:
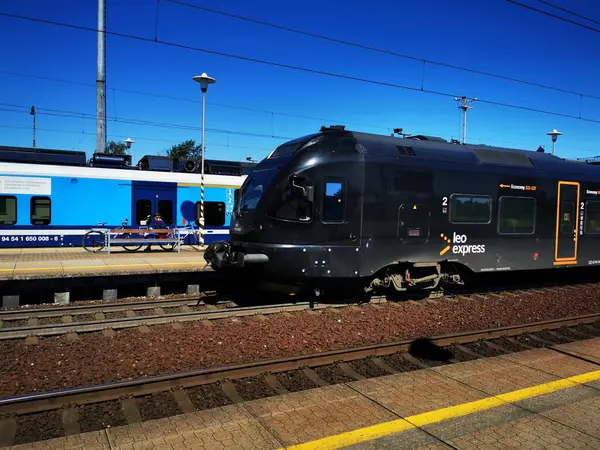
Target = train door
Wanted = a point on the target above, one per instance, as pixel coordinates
(567, 223)
(149, 198)
(413, 223)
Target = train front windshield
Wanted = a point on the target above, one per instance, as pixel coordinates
(253, 190)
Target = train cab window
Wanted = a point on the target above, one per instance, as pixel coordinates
(40, 210)
(516, 215)
(165, 209)
(334, 201)
(592, 217)
(143, 209)
(470, 208)
(214, 214)
(8, 210)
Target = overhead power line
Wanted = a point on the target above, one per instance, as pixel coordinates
(555, 16)
(189, 100)
(138, 138)
(88, 116)
(296, 68)
(573, 13)
(379, 50)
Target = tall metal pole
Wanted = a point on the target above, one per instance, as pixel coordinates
(464, 130)
(101, 80)
(204, 81)
(464, 104)
(32, 112)
(201, 218)
(553, 147)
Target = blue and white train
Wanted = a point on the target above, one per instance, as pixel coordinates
(51, 198)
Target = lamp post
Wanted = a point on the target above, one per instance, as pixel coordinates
(128, 143)
(32, 113)
(464, 104)
(204, 81)
(554, 134)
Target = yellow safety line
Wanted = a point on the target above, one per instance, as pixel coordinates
(451, 412)
(108, 266)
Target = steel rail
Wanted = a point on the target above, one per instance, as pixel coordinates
(58, 311)
(144, 386)
(159, 319)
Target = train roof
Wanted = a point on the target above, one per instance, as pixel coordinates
(48, 170)
(438, 149)
(152, 163)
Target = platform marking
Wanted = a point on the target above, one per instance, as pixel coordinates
(419, 420)
(108, 266)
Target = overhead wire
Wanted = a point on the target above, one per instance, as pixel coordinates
(89, 116)
(293, 67)
(377, 49)
(141, 138)
(189, 100)
(569, 11)
(555, 16)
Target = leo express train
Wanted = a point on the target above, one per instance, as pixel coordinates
(408, 212)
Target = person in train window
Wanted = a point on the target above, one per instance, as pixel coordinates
(157, 223)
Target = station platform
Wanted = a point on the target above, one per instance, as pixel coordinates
(543, 398)
(21, 264)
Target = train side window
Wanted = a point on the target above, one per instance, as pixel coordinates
(143, 209)
(467, 208)
(516, 215)
(334, 201)
(592, 217)
(165, 209)
(214, 214)
(8, 210)
(40, 210)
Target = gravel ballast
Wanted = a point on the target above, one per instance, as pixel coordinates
(57, 363)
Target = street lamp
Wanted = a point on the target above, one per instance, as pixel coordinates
(464, 104)
(204, 81)
(554, 133)
(32, 113)
(128, 142)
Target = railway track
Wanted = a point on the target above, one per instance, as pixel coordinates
(54, 321)
(92, 318)
(577, 328)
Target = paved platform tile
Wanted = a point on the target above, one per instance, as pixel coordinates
(583, 415)
(532, 432)
(590, 349)
(552, 362)
(495, 375)
(94, 440)
(416, 392)
(300, 417)
(229, 427)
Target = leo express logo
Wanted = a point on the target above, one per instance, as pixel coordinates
(460, 246)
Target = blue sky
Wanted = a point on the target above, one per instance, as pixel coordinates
(490, 35)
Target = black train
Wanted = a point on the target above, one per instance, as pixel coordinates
(371, 211)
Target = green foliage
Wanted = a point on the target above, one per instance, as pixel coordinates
(186, 150)
(115, 148)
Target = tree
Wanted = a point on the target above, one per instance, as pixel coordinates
(186, 150)
(115, 148)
